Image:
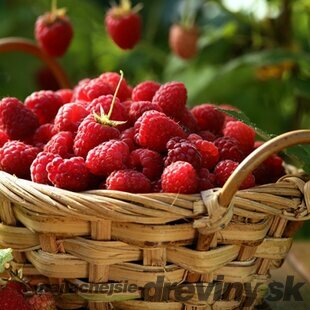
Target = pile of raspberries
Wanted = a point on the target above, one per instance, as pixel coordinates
(148, 141)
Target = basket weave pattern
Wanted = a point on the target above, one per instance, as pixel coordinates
(112, 237)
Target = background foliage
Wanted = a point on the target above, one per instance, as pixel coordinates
(255, 58)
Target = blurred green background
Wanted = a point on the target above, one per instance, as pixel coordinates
(253, 54)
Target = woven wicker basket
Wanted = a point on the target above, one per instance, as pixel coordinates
(144, 242)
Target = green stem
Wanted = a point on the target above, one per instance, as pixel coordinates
(115, 94)
(54, 6)
(126, 5)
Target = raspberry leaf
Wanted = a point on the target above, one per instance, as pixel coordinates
(5, 257)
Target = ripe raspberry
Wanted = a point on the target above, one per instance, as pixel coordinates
(188, 121)
(173, 141)
(61, 144)
(229, 148)
(12, 299)
(3, 138)
(44, 301)
(126, 104)
(139, 107)
(209, 118)
(184, 151)
(145, 91)
(207, 135)
(154, 129)
(112, 79)
(65, 94)
(78, 90)
(107, 157)
(171, 97)
(207, 180)
(53, 33)
(128, 181)
(156, 186)
(228, 107)
(38, 167)
(69, 117)
(128, 136)
(43, 134)
(149, 162)
(16, 120)
(44, 104)
(124, 26)
(104, 102)
(16, 158)
(179, 177)
(90, 134)
(209, 153)
(70, 174)
(183, 41)
(225, 168)
(241, 132)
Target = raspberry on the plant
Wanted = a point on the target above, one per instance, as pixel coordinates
(225, 168)
(137, 108)
(154, 129)
(69, 117)
(38, 167)
(241, 132)
(61, 144)
(16, 120)
(145, 91)
(70, 174)
(209, 118)
(16, 158)
(149, 162)
(179, 177)
(44, 104)
(229, 148)
(171, 97)
(128, 180)
(108, 157)
(54, 32)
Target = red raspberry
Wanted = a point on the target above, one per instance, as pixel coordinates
(69, 117)
(104, 102)
(171, 97)
(209, 153)
(128, 136)
(38, 167)
(54, 33)
(127, 104)
(188, 121)
(42, 301)
(3, 138)
(173, 141)
(225, 168)
(16, 158)
(139, 107)
(70, 174)
(228, 107)
(241, 132)
(44, 104)
(154, 129)
(123, 26)
(90, 134)
(65, 94)
(207, 180)
(193, 137)
(145, 91)
(149, 162)
(16, 120)
(112, 79)
(61, 144)
(128, 181)
(13, 299)
(43, 134)
(229, 148)
(107, 157)
(179, 177)
(209, 118)
(78, 90)
(156, 186)
(207, 135)
(184, 151)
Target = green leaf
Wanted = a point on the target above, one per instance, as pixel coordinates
(5, 257)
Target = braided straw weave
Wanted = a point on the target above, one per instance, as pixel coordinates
(111, 237)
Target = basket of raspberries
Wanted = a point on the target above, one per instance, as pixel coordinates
(122, 197)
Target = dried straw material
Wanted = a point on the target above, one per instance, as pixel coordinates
(114, 238)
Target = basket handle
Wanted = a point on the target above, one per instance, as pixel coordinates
(257, 157)
(14, 44)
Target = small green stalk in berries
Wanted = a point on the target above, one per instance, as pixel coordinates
(123, 24)
(53, 31)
